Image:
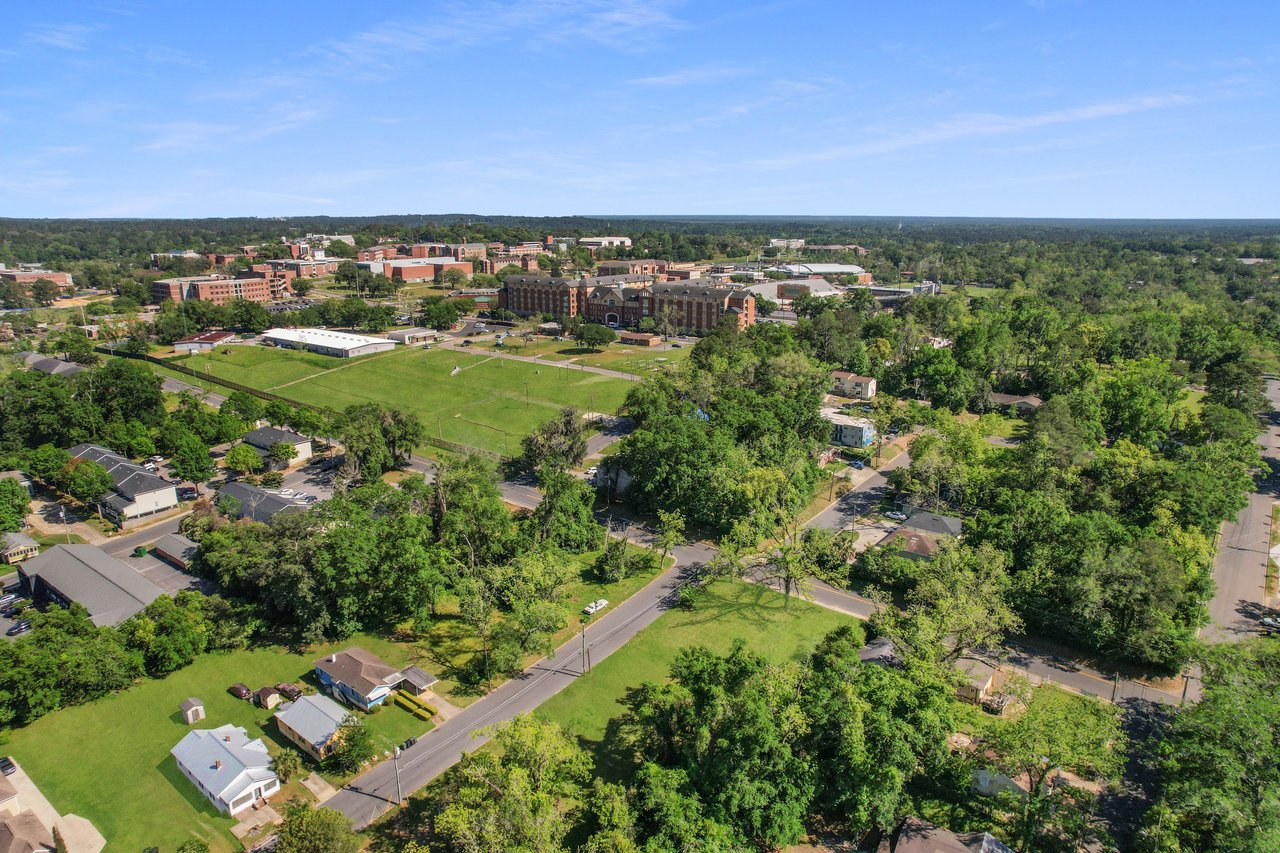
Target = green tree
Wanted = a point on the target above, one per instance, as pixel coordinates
(281, 453)
(671, 526)
(44, 292)
(190, 461)
(315, 830)
(46, 462)
(193, 846)
(246, 407)
(1057, 731)
(287, 763)
(556, 444)
(84, 480)
(564, 518)
(15, 503)
(243, 459)
(596, 337)
(355, 746)
(436, 312)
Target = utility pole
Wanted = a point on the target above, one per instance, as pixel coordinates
(399, 791)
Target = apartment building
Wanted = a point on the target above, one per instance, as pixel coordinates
(625, 300)
(220, 289)
(644, 266)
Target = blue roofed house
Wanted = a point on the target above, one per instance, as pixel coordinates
(358, 676)
(311, 723)
(232, 771)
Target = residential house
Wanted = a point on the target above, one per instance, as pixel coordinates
(49, 364)
(17, 547)
(852, 385)
(233, 771)
(914, 835)
(202, 342)
(110, 590)
(135, 494)
(21, 478)
(847, 430)
(358, 676)
(915, 544)
(881, 651)
(979, 679)
(1025, 404)
(933, 523)
(311, 723)
(24, 833)
(253, 502)
(175, 549)
(264, 438)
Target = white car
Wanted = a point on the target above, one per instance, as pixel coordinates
(896, 516)
(596, 606)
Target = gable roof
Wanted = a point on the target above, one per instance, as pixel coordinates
(920, 836)
(913, 542)
(24, 833)
(932, 522)
(128, 479)
(361, 670)
(257, 504)
(314, 717)
(14, 541)
(419, 678)
(177, 546)
(266, 436)
(110, 590)
(224, 760)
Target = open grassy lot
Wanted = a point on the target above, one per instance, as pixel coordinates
(262, 367)
(490, 403)
(778, 629)
(109, 761)
(451, 643)
(630, 359)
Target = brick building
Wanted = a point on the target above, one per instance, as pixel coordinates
(645, 266)
(625, 300)
(526, 262)
(416, 269)
(219, 289)
(28, 274)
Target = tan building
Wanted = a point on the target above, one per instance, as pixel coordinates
(853, 386)
(28, 274)
(646, 266)
(219, 289)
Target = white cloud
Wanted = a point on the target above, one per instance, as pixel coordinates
(191, 135)
(981, 124)
(64, 36)
(692, 76)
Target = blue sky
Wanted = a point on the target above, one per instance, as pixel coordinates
(550, 107)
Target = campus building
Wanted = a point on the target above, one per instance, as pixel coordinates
(220, 289)
(28, 274)
(326, 342)
(625, 300)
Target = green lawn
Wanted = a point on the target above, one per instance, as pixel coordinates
(490, 403)
(450, 642)
(109, 760)
(262, 367)
(778, 629)
(630, 359)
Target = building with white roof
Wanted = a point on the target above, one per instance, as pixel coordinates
(228, 768)
(823, 269)
(326, 342)
(847, 430)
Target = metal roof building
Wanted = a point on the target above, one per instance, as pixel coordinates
(85, 574)
(326, 342)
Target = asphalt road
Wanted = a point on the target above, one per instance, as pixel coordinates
(373, 793)
(1240, 567)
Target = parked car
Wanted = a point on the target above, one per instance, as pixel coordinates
(15, 607)
(6, 600)
(467, 342)
(292, 692)
(1271, 623)
(19, 628)
(896, 516)
(240, 691)
(857, 464)
(7, 767)
(677, 345)
(187, 493)
(596, 606)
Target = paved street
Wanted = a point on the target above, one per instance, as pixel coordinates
(1240, 567)
(369, 796)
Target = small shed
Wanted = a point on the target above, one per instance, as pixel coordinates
(267, 697)
(192, 711)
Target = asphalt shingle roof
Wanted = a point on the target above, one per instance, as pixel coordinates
(110, 590)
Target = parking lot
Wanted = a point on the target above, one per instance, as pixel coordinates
(8, 584)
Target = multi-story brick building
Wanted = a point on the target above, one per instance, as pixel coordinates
(219, 289)
(28, 274)
(307, 267)
(378, 253)
(625, 300)
(526, 262)
(416, 269)
(645, 266)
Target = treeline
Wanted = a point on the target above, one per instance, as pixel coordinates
(66, 660)
(730, 439)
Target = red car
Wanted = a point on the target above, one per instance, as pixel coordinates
(292, 692)
(240, 691)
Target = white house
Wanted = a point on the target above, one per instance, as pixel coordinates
(228, 768)
(849, 431)
(852, 385)
(136, 493)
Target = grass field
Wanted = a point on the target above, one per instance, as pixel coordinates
(109, 761)
(630, 359)
(489, 403)
(779, 630)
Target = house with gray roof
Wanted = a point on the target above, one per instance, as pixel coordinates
(253, 502)
(228, 768)
(262, 439)
(85, 574)
(933, 523)
(311, 723)
(49, 364)
(135, 493)
(16, 547)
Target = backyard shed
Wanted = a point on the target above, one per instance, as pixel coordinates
(192, 710)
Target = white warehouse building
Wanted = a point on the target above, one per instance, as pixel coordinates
(325, 342)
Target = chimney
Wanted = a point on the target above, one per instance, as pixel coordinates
(333, 658)
(226, 738)
(217, 765)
